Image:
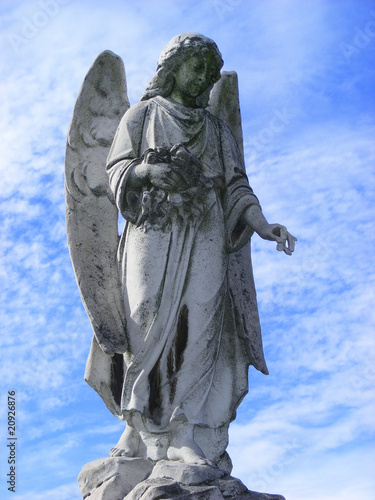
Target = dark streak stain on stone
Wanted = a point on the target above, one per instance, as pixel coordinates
(117, 377)
(181, 338)
(170, 364)
(155, 395)
(172, 389)
(176, 354)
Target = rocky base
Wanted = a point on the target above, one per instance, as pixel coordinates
(112, 478)
(121, 478)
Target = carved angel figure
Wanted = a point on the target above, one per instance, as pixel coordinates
(172, 302)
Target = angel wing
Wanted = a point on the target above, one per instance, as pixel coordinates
(91, 215)
(224, 104)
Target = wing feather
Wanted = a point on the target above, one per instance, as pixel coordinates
(91, 215)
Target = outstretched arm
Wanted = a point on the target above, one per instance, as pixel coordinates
(254, 217)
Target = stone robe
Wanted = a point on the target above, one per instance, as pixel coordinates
(188, 291)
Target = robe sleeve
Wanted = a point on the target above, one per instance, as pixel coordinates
(238, 194)
(124, 155)
(237, 198)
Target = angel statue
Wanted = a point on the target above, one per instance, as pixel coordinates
(172, 301)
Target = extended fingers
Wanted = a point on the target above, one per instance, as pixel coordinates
(291, 242)
(283, 234)
(285, 240)
(279, 233)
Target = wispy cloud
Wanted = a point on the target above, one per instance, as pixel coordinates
(306, 430)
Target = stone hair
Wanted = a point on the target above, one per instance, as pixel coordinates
(178, 50)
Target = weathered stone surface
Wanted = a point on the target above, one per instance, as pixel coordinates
(113, 489)
(213, 443)
(202, 493)
(122, 478)
(231, 487)
(186, 473)
(167, 489)
(107, 477)
(155, 489)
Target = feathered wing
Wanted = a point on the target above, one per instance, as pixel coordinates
(224, 104)
(91, 215)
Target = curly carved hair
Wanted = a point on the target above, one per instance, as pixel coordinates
(178, 50)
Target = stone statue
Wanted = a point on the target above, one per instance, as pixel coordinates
(172, 301)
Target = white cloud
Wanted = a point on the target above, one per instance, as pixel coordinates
(307, 423)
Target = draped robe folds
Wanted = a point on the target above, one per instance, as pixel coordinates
(188, 291)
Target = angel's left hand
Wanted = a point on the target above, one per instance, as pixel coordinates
(277, 232)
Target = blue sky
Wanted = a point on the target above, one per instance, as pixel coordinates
(306, 76)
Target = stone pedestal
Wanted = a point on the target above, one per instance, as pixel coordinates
(121, 478)
(112, 478)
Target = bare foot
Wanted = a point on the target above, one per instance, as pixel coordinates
(188, 454)
(127, 445)
(183, 447)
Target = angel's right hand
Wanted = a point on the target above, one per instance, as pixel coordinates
(160, 175)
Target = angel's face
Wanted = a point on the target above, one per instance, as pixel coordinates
(193, 76)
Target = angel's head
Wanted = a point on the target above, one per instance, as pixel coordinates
(177, 63)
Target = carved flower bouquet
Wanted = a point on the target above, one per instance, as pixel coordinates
(160, 207)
